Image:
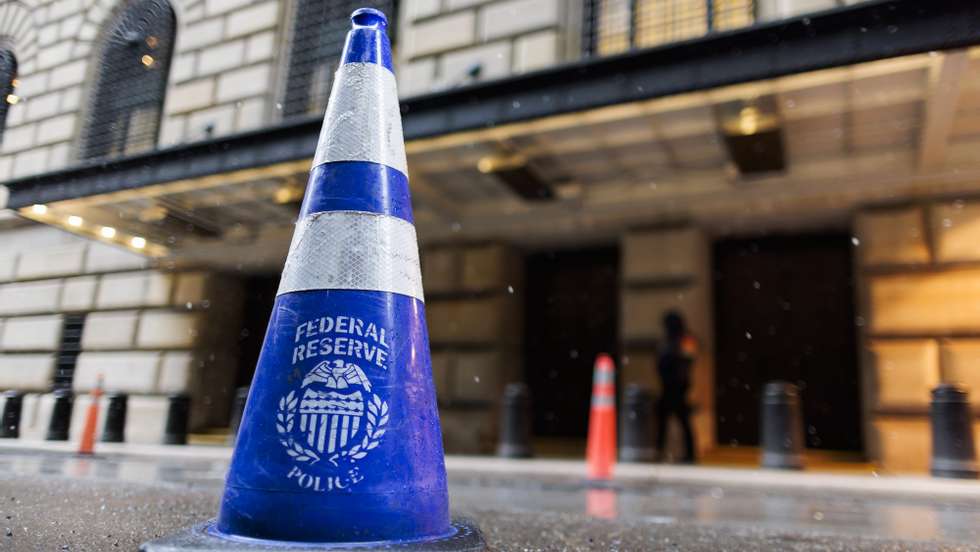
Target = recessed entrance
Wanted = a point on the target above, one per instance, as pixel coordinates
(785, 311)
(260, 295)
(571, 316)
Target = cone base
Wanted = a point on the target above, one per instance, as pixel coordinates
(466, 537)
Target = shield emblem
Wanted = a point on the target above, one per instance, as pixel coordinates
(329, 419)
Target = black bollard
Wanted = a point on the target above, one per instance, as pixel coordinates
(636, 442)
(515, 422)
(178, 416)
(115, 418)
(12, 407)
(954, 453)
(237, 409)
(782, 426)
(60, 421)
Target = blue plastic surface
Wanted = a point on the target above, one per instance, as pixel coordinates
(397, 491)
(367, 41)
(341, 187)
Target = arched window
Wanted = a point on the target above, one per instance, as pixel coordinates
(319, 30)
(125, 106)
(8, 74)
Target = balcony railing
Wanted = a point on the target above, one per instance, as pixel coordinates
(615, 26)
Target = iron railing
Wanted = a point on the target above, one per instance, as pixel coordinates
(8, 73)
(615, 26)
(124, 113)
(319, 28)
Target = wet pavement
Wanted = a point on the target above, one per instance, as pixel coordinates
(55, 501)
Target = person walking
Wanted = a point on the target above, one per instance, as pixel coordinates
(674, 364)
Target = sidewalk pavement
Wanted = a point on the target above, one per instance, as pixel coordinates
(746, 477)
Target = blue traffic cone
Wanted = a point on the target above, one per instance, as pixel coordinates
(340, 439)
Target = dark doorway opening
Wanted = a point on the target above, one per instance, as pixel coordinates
(571, 316)
(785, 311)
(260, 294)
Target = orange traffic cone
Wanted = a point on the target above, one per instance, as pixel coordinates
(600, 453)
(87, 446)
(601, 503)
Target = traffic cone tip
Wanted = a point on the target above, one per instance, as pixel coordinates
(364, 43)
(361, 139)
(363, 117)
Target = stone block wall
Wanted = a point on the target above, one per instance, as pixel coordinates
(223, 75)
(52, 57)
(919, 273)
(147, 332)
(474, 310)
(228, 64)
(225, 68)
(662, 269)
(440, 41)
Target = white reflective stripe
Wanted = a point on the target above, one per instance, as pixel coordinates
(363, 121)
(602, 401)
(353, 250)
(603, 377)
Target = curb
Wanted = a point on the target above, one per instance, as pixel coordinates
(906, 485)
(893, 485)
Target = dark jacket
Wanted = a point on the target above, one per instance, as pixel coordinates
(674, 366)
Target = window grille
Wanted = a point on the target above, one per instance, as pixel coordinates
(68, 350)
(8, 73)
(614, 26)
(124, 111)
(318, 34)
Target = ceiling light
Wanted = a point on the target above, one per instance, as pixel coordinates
(155, 213)
(485, 165)
(138, 242)
(75, 221)
(147, 60)
(107, 232)
(12, 99)
(514, 172)
(39, 209)
(288, 194)
(752, 133)
(748, 121)
(493, 163)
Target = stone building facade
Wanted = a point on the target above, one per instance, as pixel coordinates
(146, 329)
(153, 324)
(145, 332)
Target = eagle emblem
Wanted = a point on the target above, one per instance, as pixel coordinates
(336, 417)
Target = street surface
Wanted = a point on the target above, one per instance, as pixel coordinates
(55, 501)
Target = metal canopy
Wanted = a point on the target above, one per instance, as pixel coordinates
(611, 155)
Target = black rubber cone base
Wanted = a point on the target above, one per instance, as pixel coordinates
(200, 538)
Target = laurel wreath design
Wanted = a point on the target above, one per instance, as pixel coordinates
(284, 425)
(377, 416)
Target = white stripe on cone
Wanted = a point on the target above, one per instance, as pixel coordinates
(353, 250)
(363, 121)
